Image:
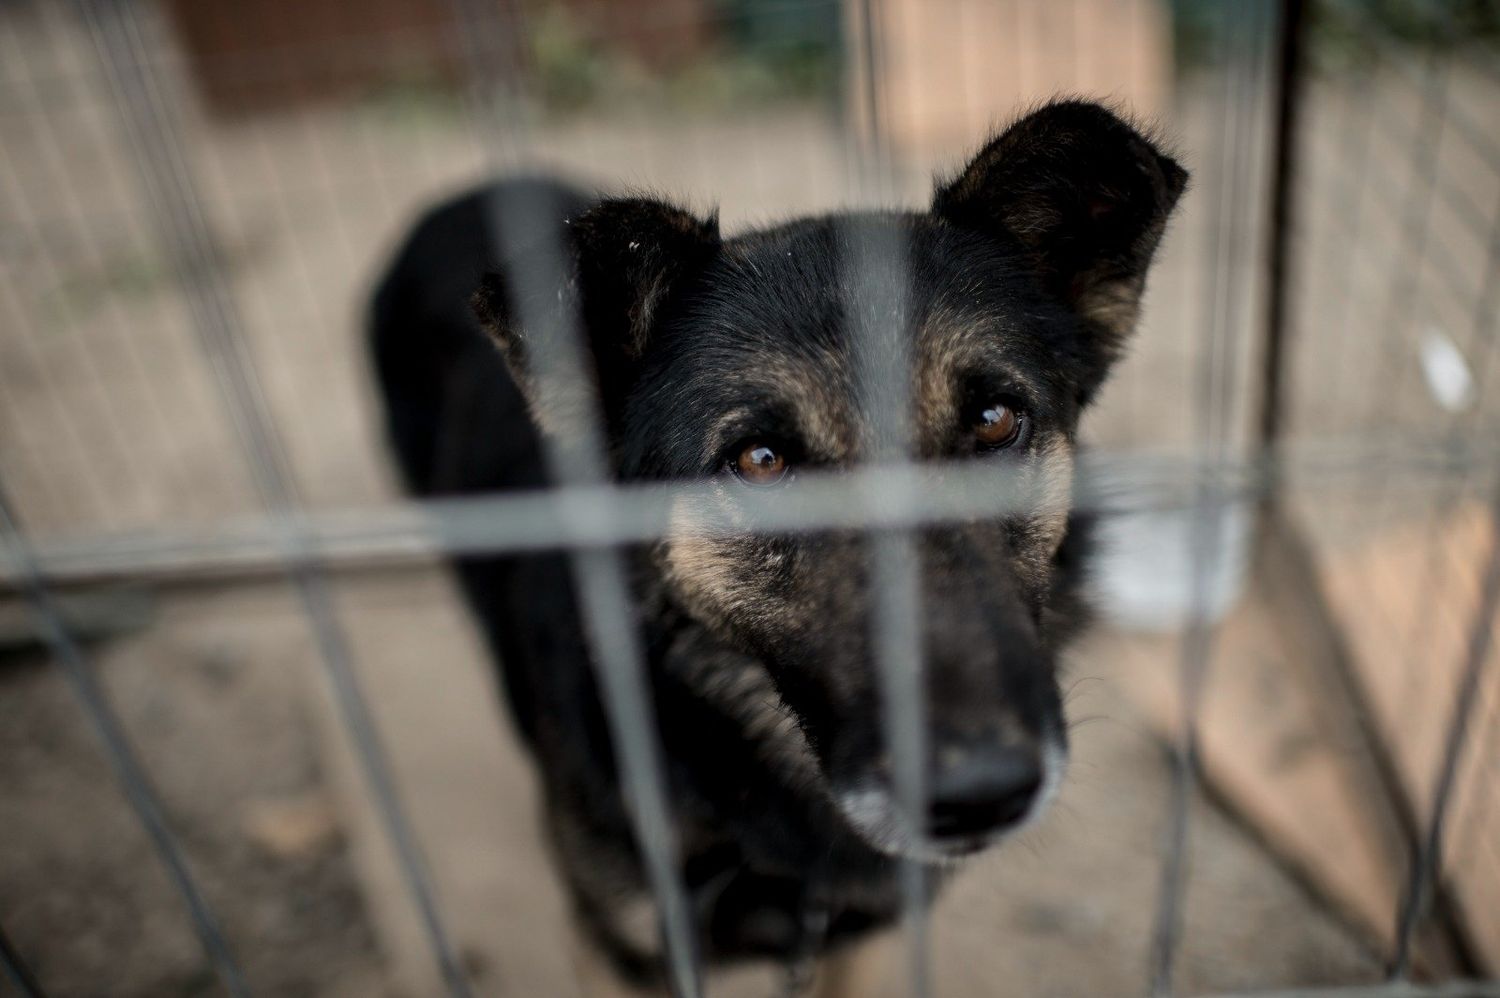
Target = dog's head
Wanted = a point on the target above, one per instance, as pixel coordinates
(735, 361)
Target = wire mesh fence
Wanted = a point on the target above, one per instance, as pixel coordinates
(1296, 464)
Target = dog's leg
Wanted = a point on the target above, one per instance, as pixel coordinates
(854, 971)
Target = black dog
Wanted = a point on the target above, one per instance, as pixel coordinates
(730, 361)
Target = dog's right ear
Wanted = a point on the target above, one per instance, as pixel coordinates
(604, 273)
(1087, 197)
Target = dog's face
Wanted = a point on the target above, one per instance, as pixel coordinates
(738, 362)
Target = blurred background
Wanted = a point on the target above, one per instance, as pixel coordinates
(195, 200)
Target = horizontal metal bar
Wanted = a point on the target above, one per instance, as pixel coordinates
(607, 514)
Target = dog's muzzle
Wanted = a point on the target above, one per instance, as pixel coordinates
(975, 796)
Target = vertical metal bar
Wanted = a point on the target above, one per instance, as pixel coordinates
(1414, 253)
(526, 232)
(1432, 898)
(122, 758)
(1214, 391)
(1426, 864)
(170, 188)
(600, 576)
(1286, 147)
(877, 273)
(867, 158)
(875, 262)
(874, 162)
(493, 38)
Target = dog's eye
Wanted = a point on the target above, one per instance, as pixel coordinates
(759, 462)
(998, 424)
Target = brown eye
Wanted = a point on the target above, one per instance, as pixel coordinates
(759, 463)
(998, 425)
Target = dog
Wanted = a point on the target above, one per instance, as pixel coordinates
(731, 362)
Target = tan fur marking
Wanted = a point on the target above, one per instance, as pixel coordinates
(1115, 305)
(948, 345)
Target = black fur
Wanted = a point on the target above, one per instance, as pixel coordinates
(1024, 279)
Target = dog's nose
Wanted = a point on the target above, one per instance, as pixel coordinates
(980, 789)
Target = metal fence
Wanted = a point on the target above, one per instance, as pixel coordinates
(1347, 217)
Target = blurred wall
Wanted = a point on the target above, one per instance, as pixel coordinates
(263, 55)
(953, 69)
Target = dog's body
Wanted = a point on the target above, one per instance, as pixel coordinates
(732, 362)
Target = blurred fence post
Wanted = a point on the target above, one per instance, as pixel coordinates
(1290, 94)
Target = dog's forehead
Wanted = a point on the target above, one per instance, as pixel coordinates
(813, 282)
(774, 325)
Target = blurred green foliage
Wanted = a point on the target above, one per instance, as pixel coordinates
(1343, 33)
(570, 69)
(83, 290)
(760, 51)
(798, 43)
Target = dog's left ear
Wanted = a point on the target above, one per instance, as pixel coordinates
(1086, 196)
(609, 268)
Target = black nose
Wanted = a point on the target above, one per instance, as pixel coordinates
(982, 789)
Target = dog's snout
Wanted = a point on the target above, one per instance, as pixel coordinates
(982, 789)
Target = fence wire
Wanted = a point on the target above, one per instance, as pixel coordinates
(1233, 154)
(1110, 485)
(596, 520)
(172, 191)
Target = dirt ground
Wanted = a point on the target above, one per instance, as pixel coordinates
(219, 694)
(110, 421)
(216, 707)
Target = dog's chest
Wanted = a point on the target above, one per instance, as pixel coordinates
(746, 913)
